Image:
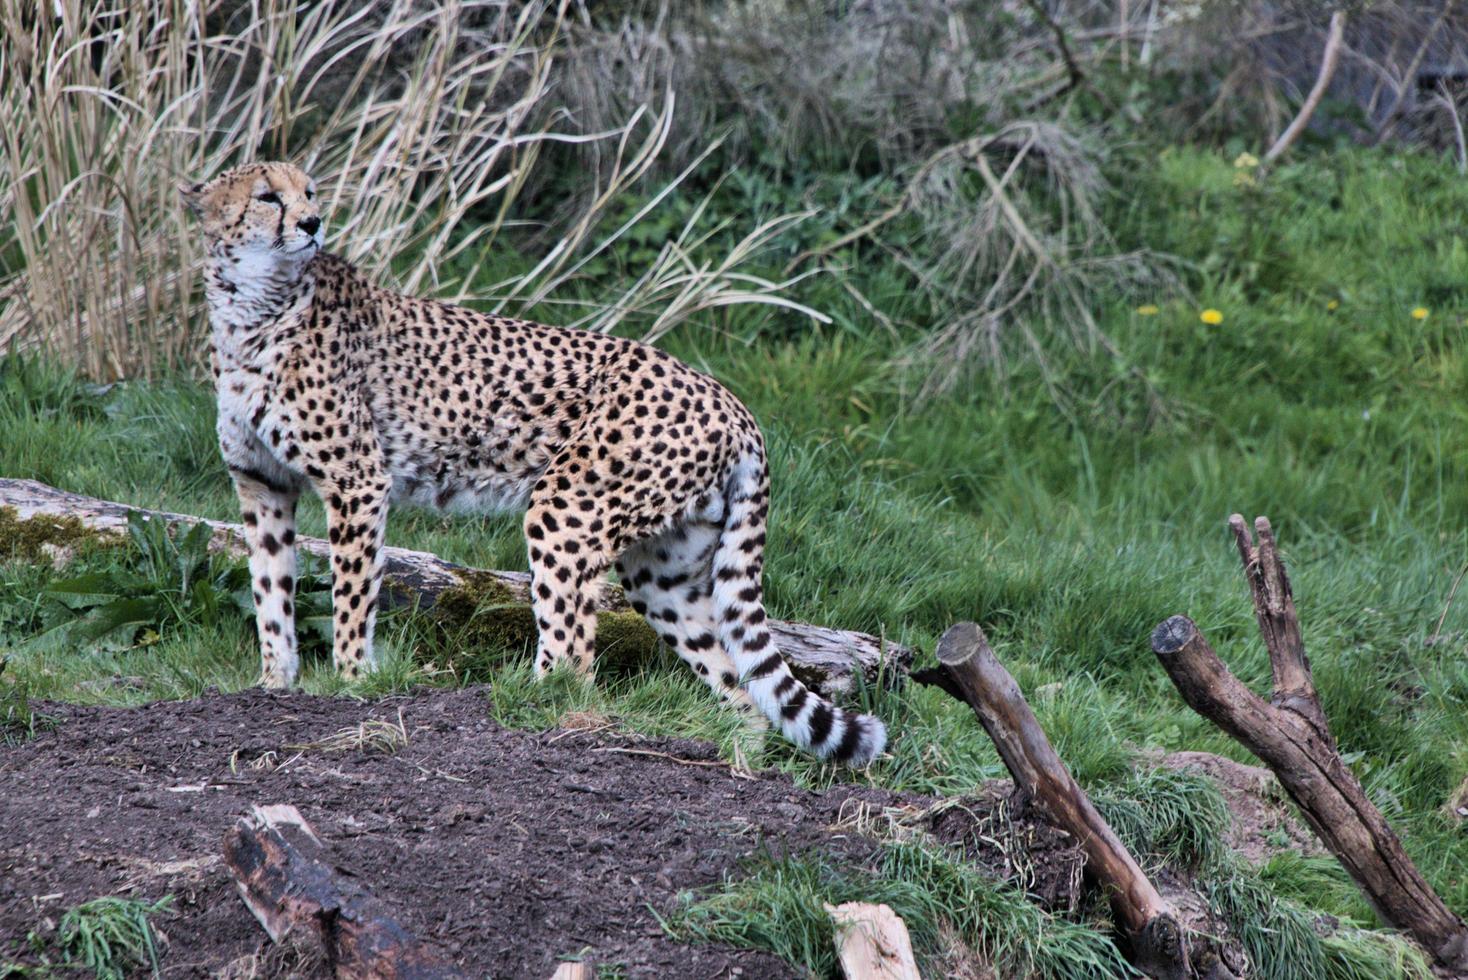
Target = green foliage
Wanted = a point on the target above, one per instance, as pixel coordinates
(1173, 816)
(779, 905)
(662, 703)
(19, 722)
(111, 937)
(167, 581)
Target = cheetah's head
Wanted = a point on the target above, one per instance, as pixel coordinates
(262, 216)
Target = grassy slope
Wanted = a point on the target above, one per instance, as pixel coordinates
(1067, 534)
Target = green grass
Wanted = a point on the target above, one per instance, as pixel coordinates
(111, 938)
(779, 905)
(1067, 509)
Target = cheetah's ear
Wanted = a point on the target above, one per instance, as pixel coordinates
(193, 197)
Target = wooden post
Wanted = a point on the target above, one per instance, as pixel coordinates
(1290, 734)
(970, 672)
(286, 880)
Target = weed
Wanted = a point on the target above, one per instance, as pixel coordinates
(170, 581)
(19, 722)
(112, 937)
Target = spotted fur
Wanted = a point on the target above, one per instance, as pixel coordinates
(618, 454)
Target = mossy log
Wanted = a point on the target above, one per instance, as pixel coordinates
(480, 607)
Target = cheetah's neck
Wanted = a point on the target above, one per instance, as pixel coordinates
(250, 300)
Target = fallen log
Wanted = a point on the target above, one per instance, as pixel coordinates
(286, 879)
(828, 660)
(872, 942)
(1291, 735)
(969, 671)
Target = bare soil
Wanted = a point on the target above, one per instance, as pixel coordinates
(507, 849)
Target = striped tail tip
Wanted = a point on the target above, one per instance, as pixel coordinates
(861, 740)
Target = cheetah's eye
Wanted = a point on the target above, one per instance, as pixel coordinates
(310, 193)
(269, 197)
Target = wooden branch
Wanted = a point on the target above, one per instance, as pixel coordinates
(1291, 736)
(1274, 609)
(1383, 129)
(1329, 59)
(1075, 77)
(288, 882)
(971, 672)
(872, 942)
(828, 660)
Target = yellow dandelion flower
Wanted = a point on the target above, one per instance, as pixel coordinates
(1211, 317)
(1246, 161)
(1334, 304)
(1147, 309)
(1420, 313)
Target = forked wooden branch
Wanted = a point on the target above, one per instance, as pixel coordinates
(970, 672)
(1274, 608)
(287, 881)
(1290, 734)
(828, 660)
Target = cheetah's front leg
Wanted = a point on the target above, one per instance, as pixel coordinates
(269, 513)
(356, 519)
(569, 553)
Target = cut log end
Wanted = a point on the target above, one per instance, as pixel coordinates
(1291, 735)
(960, 644)
(970, 672)
(1172, 635)
(1160, 949)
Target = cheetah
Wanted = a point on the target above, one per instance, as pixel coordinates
(620, 456)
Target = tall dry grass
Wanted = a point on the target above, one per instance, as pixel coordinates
(424, 120)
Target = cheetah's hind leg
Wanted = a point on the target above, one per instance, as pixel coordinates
(669, 580)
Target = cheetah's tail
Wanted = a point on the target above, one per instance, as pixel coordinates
(806, 718)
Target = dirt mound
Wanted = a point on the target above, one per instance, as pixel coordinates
(1263, 822)
(507, 849)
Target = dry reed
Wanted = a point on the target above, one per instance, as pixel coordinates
(424, 121)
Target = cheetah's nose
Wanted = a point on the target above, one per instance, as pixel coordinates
(309, 225)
